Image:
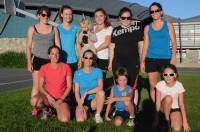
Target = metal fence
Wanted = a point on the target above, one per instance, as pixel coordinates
(188, 35)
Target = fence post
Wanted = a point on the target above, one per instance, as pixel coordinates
(180, 42)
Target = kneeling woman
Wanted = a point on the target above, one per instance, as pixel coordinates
(55, 82)
(88, 84)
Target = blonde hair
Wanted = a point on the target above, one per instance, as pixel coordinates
(85, 22)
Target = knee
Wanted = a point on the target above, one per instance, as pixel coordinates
(177, 128)
(168, 99)
(64, 119)
(118, 122)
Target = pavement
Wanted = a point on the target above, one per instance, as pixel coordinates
(11, 79)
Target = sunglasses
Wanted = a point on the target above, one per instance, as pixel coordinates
(168, 74)
(45, 15)
(90, 58)
(155, 11)
(128, 18)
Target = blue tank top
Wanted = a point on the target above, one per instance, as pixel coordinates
(117, 93)
(159, 42)
(68, 43)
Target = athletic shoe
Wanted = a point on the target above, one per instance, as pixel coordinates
(98, 118)
(130, 122)
(46, 113)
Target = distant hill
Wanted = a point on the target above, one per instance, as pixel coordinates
(192, 19)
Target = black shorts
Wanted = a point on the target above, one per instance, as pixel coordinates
(123, 114)
(38, 62)
(175, 110)
(155, 65)
(102, 64)
(87, 103)
(133, 71)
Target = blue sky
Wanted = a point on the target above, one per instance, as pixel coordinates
(177, 8)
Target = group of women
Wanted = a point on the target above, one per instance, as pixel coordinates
(53, 53)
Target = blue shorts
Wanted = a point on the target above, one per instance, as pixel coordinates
(123, 114)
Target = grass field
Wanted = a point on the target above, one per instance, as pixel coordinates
(15, 113)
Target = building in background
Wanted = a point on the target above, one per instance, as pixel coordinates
(13, 28)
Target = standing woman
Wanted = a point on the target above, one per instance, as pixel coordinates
(103, 30)
(127, 41)
(68, 34)
(39, 38)
(156, 50)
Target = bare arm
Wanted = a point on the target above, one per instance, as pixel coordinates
(183, 112)
(50, 99)
(126, 98)
(77, 94)
(78, 45)
(29, 42)
(140, 47)
(105, 44)
(69, 87)
(144, 48)
(108, 105)
(158, 100)
(173, 41)
(57, 38)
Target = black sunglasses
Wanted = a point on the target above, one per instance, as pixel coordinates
(155, 11)
(90, 58)
(45, 15)
(168, 74)
(128, 18)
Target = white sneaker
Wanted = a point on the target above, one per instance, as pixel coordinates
(98, 118)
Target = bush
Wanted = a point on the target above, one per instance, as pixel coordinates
(12, 59)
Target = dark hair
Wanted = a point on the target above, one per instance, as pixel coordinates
(155, 4)
(52, 47)
(125, 9)
(106, 22)
(88, 51)
(171, 66)
(62, 9)
(121, 71)
(43, 8)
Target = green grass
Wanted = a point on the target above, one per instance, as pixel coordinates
(15, 112)
(12, 59)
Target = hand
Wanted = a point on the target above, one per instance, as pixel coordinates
(110, 100)
(79, 64)
(142, 67)
(51, 100)
(110, 67)
(107, 118)
(30, 67)
(173, 61)
(186, 127)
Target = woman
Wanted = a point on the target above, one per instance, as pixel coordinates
(55, 82)
(127, 41)
(103, 32)
(68, 34)
(88, 84)
(156, 51)
(39, 38)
